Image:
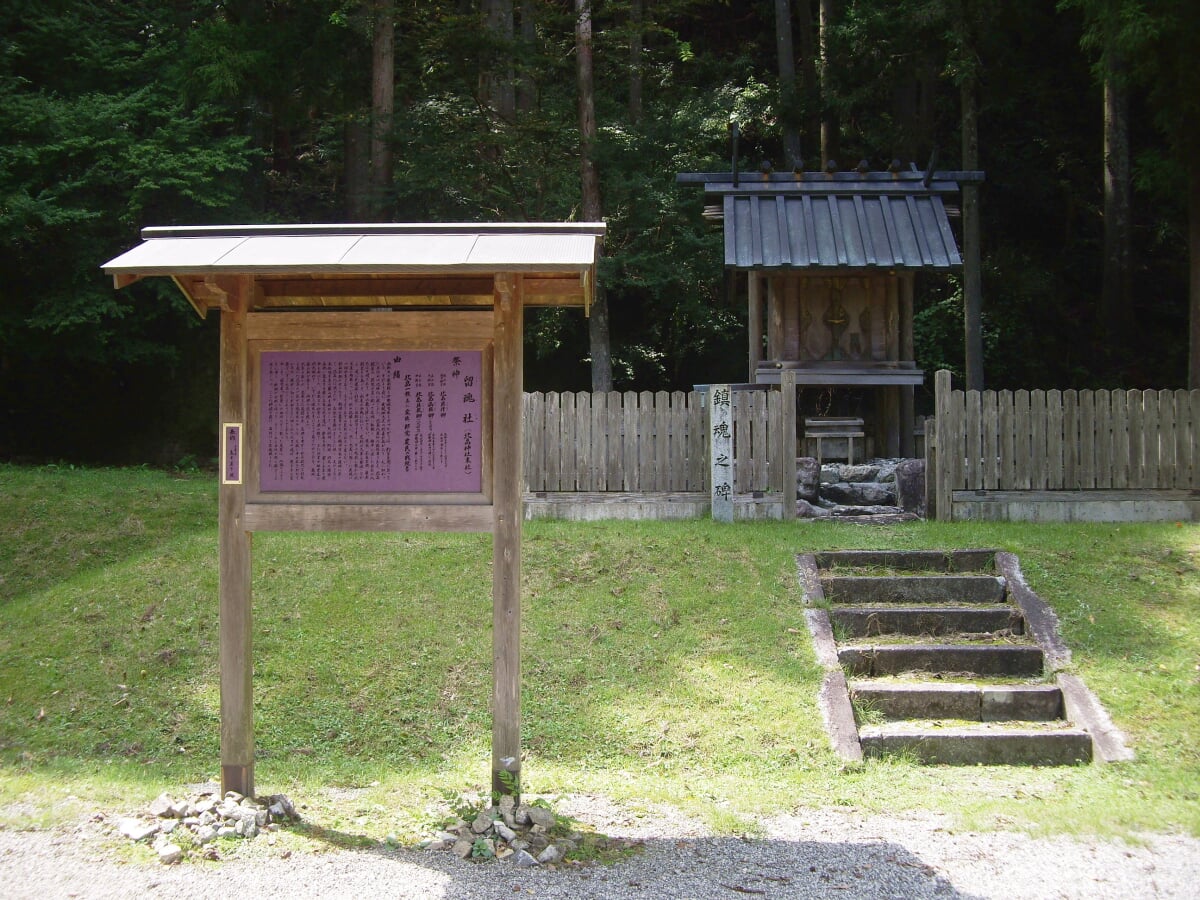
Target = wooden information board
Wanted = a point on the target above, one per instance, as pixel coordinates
(371, 379)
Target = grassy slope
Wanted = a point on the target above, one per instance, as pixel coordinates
(663, 662)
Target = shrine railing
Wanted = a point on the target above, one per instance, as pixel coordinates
(644, 442)
(1100, 446)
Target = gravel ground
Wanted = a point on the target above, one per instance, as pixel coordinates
(812, 853)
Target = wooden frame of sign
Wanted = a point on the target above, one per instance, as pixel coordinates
(302, 450)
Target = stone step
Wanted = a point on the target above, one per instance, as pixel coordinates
(968, 702)
(913, 560)
(865, 621)
(990, 659)
(934, 589)
(984, 744)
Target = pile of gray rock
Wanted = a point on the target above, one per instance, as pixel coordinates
(881, 487)
(177, 825)
(522, 834)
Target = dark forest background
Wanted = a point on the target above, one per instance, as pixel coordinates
(116, 115)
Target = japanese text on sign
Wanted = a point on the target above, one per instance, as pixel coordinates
(387, 421)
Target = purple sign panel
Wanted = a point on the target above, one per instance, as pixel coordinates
(371, 421)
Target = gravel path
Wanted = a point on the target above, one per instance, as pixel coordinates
(814, 853)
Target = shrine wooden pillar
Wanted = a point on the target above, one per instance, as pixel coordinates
(908, 443)
(236, 644)
(506, 535)
(754, 323)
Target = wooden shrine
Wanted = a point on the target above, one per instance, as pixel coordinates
(371, 379)
(830, 260)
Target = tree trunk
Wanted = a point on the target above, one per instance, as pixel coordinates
(785, 53)
(635, 60)
(1194, 271)
(829, 125)
(972, 276)
(356, 164)
(383, 93)
(497, 77)
(1115, 314)
(526, 86)
(598, 328)
(811, 88)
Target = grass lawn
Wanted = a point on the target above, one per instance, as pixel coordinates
(663, 663)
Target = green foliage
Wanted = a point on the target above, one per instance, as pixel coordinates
(201, 112)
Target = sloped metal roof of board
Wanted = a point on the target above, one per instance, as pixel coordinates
(845, 221)
(367, 264)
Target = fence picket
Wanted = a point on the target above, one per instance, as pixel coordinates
(1120, 440)
(1054, 440)
(989, 441)
(1104, 442)
(697, 439)
(568, 457)
(1166, 439)
(598, 455)
(1087, 440)
(1150, 448)
(1037, 439)
(583, 440)
(1183, 439)
(1070, 429)
(973, 452)
(533, 443)
(1133, 412)
(1021, 444)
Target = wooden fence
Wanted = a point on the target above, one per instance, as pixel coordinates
(1110, 443)
(645, 442)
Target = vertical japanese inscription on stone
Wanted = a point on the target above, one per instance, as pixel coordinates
(371, 421)
(721, 451)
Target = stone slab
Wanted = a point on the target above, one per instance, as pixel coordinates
(1024, 703)
(915, 560)
(875, 661)
(865, 621)
(966, 746)
(838, 715)
(913, 589)
(1085, 710)
(919, 701)
(1040, 619)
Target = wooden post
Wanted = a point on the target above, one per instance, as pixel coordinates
(946, 447)
(907, 354)
(755, 321)
(720, 404)
(787, 442)
(775, 335)
(506, 536)
(236, 657)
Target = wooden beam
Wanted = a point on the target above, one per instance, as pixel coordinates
(415, 329)
(755, 321)
(347, 516)
(787, 442)
(506, 536)
(381, 286)
(908, 421)
(236, 664)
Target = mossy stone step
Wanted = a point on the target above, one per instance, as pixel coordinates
(968, 702)
(911, 560)
(1007, 659)
(968, 745)
(933, 589)
(864, 621)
